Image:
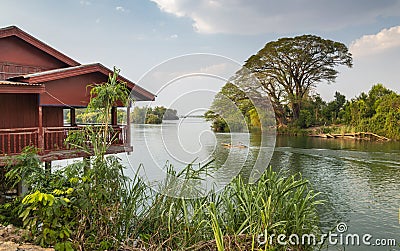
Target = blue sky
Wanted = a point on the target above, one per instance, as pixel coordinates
(136, 35)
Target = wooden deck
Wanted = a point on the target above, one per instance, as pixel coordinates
(52, 146)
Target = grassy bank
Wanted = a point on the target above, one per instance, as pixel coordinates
(102, 209)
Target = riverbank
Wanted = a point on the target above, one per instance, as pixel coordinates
(331, 132)
(11, 239)
(354, 136)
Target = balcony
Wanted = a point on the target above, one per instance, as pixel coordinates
(51, 142)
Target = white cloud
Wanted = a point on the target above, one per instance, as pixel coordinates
(285, 16)
(120, 8)
(174, 36)
(84, 2)
(377, 43)
(376, 60)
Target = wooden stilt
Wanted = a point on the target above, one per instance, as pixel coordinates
(47, 167)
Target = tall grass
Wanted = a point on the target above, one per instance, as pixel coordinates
(107, 210)
(233, 218)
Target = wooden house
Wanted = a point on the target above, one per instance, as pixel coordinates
(37, 83)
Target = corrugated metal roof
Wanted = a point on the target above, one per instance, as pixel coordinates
(5, 82)
(50, 75)
(42, 73)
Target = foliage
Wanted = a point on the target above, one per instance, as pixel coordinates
(289, 67)
(149, 115)
(232, 111)
(82, 116)
(9, 212)
(305, 119)
(48, 216)
(82, 205)
(100, 209)
(27, 167)
(240, 212)
(378, 112)
(106, 95)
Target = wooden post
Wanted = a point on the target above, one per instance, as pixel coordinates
(72, 116)
(47, 167)
(114, 118)
(41, 131)
(128, 126)
(19, 188)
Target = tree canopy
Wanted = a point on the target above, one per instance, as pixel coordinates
(289, 67)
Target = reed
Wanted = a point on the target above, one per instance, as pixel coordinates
(100, 208)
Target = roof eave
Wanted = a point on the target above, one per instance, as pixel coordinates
(80, 70)
(15, 31)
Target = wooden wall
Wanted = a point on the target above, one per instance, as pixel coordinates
(18, 57)
(53, 116)
(72, 91)
(18, 110)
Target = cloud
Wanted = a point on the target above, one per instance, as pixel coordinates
(376, 60)
(285, 16)
(373, 44)
(174, 36)
(84, 2)
(120, 8)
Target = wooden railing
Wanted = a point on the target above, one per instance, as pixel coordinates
(54, 137)
(12, 141)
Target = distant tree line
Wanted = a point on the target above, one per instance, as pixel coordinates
(139, 115)
(377, 111)
(149, 115)
(82, 116)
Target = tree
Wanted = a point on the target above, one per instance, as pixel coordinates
(377, 112)
(332, 109)
(294, 65)
(375, 95)
(105, 96)
(171, 114)
(231, 110)
(138, 115)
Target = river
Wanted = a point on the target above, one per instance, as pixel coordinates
(359, 181)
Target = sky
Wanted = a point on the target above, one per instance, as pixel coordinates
(138, 35)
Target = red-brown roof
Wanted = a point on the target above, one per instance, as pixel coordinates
(75, 69)
(15, 31)
(18, 87)
(46, 76)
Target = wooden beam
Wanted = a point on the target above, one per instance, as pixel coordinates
(128, 126)
(41, 131)
(114, 117)
(72, 116)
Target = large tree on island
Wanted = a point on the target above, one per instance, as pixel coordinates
(293, 66)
